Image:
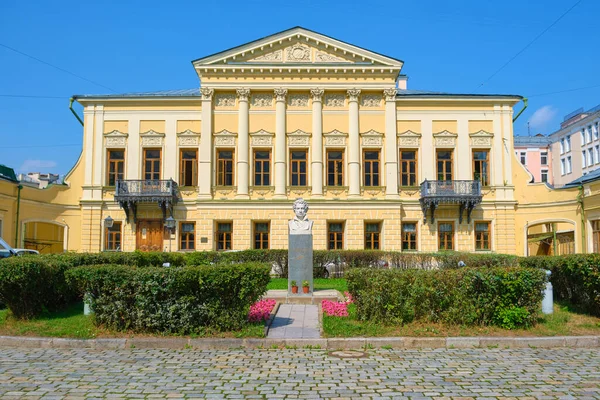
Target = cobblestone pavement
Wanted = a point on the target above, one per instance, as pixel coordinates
(306, 374)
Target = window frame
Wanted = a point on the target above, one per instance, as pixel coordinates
(482, 240)
(446, 236)
(372, 174)
(484, 163)
(338, 239)
(338, 169)
(109, 161)
(110, 241)
(227, 236)
(265, 237)
(446, 163)
(595, 235)
(298, 164)
(544, 158)
(261, 175)
(185, 236)
(407, 163)
(221, 169)
(542, 172)
(375, 236)
(183, 169)
(406, 239)
(155, 162)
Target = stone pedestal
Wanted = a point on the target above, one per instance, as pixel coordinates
(300, 262)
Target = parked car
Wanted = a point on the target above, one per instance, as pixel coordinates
(7, 251)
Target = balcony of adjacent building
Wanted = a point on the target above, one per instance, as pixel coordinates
(130, 193)
(465, 193)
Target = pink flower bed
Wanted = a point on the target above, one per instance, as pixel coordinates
(337, 309)
(261, 310)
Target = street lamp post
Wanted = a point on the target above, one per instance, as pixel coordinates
(108, 222)
(170, 224)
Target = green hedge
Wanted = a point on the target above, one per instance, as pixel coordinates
(506, 296)
(171, 300)
(575, 278)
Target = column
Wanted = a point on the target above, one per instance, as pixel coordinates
(353, 146)
(243, 145)
(391, 145)
(317, 142)
(464, 158)
(205, 156)
(280, 148)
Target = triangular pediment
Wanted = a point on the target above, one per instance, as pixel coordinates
(372, 132)
(481, 133)
(298, 46)
(262, 132)
(152, 132)
(225, 132)
(115, 133)
(188, 132)
(335, 132)
(298, 132)
(409, 133)
(445, 134)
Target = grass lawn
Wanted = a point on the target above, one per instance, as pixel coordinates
(320, 284)
(565, 321)
(72, 323)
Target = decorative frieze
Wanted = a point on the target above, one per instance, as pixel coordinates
(370, 100)
(152, 138)
(445, 139)
(372, 138)
(298, 53)
(188, 138)
(225, 100)
(262, 100)
(298, 100)
(335, 100)
(115, 139)
(262, 138)
(353, 94)
(481, 139)
(298, 138)
(335, 138)
(274, 56)
(409, 139)
(323, 57)
(207, 93)
(225, 138)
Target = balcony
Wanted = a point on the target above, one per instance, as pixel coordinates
(129, 193)
(467, 194)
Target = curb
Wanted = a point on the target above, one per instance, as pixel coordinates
(584, 342)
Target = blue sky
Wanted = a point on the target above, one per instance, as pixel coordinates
(131, 46)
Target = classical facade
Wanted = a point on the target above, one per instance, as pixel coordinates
(300, 114)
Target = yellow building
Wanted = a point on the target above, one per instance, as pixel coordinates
(300, 114)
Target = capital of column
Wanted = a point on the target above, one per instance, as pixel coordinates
(390, 94)
(280, 94)
(317, 94)
(207, 93)
(243, 94)
(353, 94)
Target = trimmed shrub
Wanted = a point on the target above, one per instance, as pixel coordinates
(469, 296)
(575, 278)
(30, 285)
(171, 300)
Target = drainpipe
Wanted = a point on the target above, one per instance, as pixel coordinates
(71, 100)
(19, 187)
(580, 201)
(525, 101)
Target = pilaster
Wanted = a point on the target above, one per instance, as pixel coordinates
(317, 143)
(427, 149)
(205, 157)
(391, 145)
(171, 155)
(243, 151)
(353, 145)
(280, 145)
(464, 162)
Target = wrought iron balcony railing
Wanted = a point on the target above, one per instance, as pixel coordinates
(467, 194)
(130, 192)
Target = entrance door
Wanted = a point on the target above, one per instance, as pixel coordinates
(149, 236)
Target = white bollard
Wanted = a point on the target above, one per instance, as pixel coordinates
(86, 308)
(548, 301)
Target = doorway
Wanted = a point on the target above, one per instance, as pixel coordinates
(149, 235)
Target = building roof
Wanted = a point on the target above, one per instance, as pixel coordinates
(7, 173)
(592, 176)
(532, 141)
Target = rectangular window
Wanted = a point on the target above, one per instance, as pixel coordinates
(335, 236)
(223, 236)
(481, 167)
(261, 235)
(225, 167)
(583, 136)
(569, 165)
(262, 167)
(372, 235)
(588, 134)
(544, 175)
(187, 235)
(482, 235)
(544, 158)
(409, 236)
(335, 168)
(597, 154)
(568, 143)
(371, 168)
(596, 131)
(590, 158)
(446, 235)
(152, 161)
(523, 156)
(115, 167)
(583, 159)
(444, 165)
(408, 168)
(188, 167)
(298, 170)
(563, 170)
(562, 146)
(596, 235)
(112, 239)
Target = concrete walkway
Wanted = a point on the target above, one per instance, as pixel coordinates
(295, 321)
